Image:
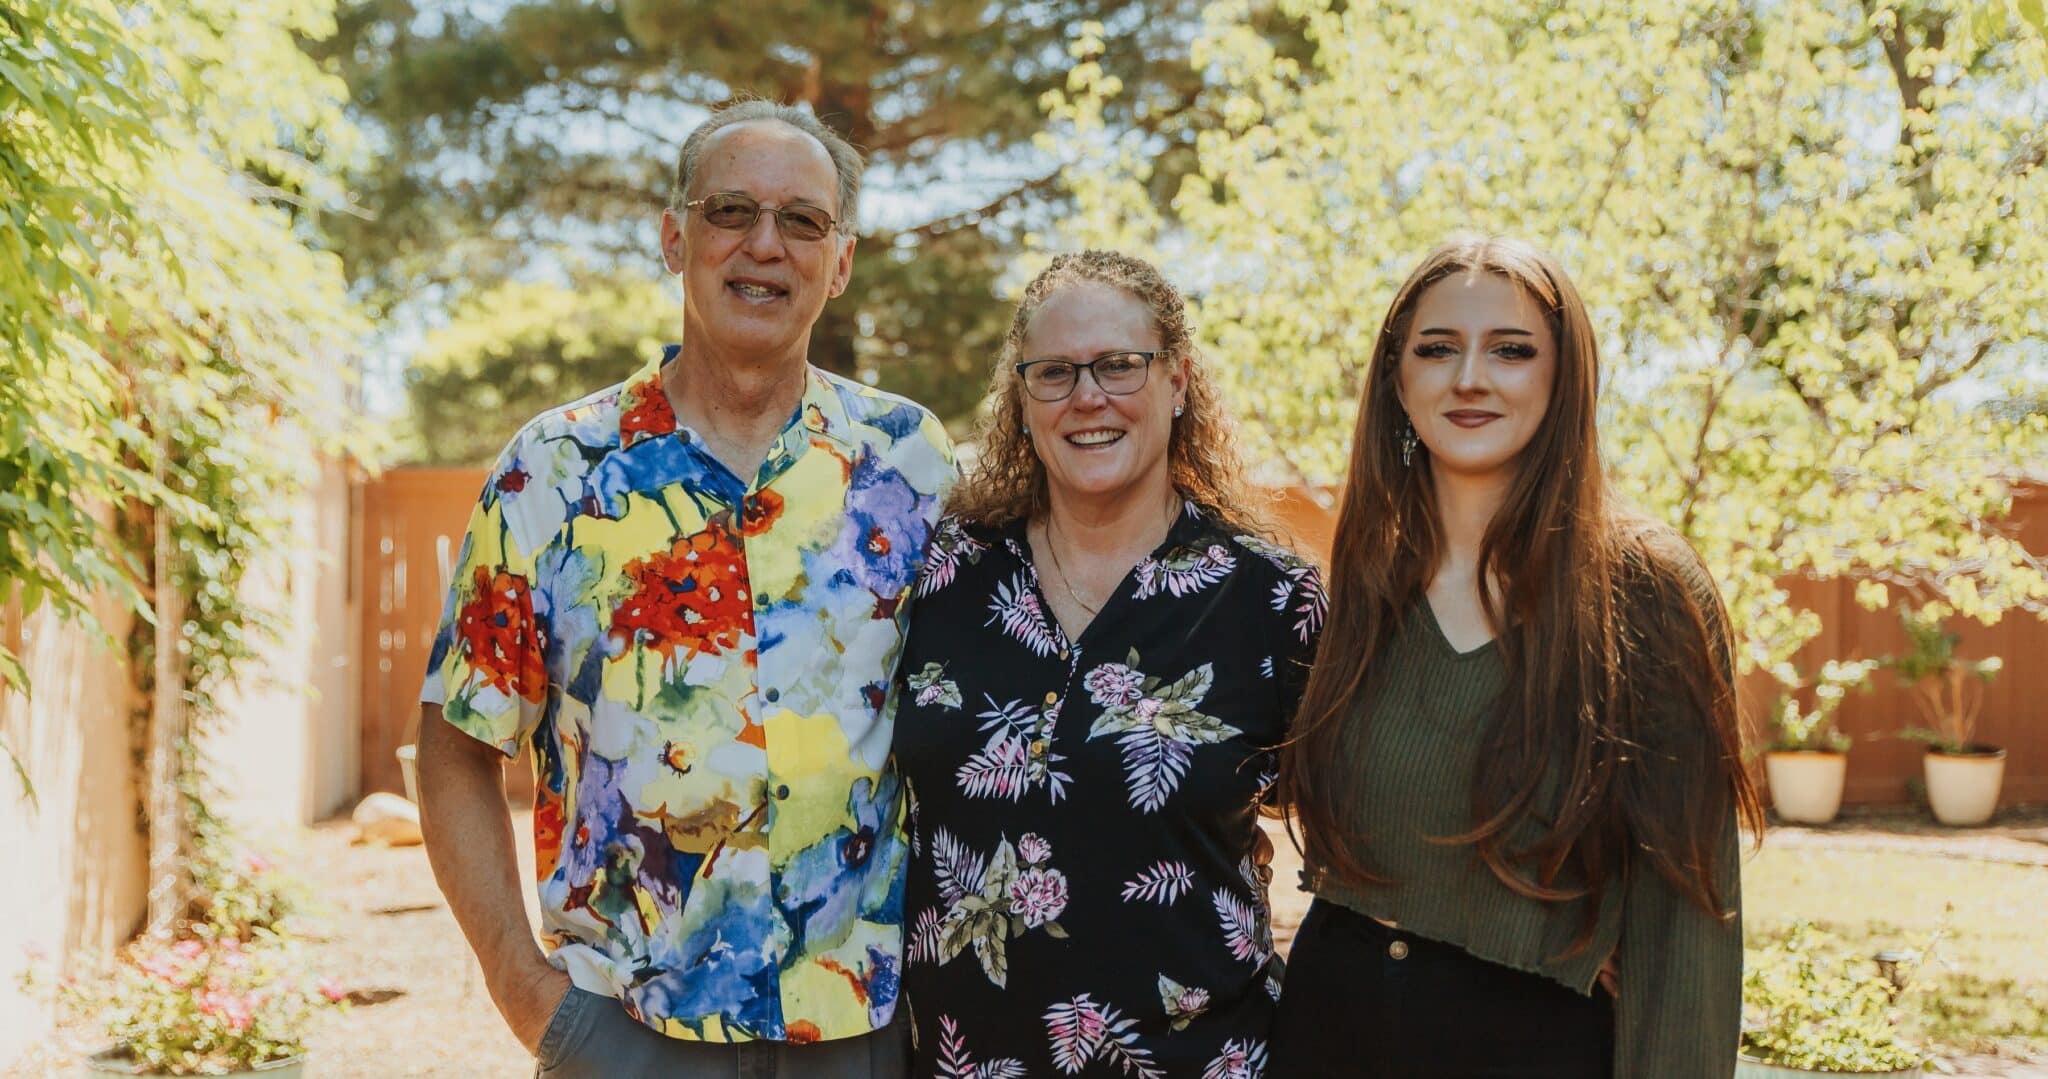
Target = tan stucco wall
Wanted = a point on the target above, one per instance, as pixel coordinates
(74, 859)
(285, 753)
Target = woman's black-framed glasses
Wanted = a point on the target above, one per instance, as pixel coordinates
(737, 212)
(1116, 372)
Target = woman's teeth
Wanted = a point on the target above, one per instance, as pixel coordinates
(1095, 438)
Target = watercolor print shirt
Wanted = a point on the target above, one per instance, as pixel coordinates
(1082, 894)
(701, 666)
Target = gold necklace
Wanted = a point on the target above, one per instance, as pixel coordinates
(1052, 546)
(1066, 582)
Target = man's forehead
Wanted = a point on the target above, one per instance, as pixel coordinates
(737, 149)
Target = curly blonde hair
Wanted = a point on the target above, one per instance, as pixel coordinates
(1201, 452)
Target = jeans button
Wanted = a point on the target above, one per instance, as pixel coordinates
(1398, 950)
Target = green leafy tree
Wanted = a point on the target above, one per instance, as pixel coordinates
(1812, 234)
(515, 350)
(535, 144)
(178, 349)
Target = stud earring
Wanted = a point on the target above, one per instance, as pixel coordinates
(1408, 441)
(1177, 410)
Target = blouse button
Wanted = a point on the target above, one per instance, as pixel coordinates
(1052, 699)
(1063, 654)
(1398, 950)
(1038, 748)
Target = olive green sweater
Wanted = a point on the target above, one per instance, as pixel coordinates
(1679, 1008)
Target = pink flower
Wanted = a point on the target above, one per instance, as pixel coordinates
(1187, 1003)
(188, 949)
(231, 1007)
(1033, 848)
(930, 693)
(1039, 895)
(160, 966)
(331, 989)
(256, 863)
(1149, 708)
(1112, 684)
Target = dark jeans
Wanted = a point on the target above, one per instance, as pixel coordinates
(1365, 1000)
(592, 1037)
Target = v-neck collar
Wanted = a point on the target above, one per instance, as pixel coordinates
(1189, 529)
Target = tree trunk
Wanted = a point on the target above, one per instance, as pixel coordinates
(167, 874)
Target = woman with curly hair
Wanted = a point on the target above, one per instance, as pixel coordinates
(1516, 773)
(1105, 651)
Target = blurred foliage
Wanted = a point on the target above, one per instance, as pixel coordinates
(1810, 234)
(1820, 1008)
(536, 144)
(1983, 989)
(178, 351)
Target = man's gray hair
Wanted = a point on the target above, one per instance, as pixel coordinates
(845, 159)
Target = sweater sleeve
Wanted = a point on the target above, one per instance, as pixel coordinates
(1680, 1010)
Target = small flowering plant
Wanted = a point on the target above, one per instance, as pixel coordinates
(1799, 727)
(209, 1004)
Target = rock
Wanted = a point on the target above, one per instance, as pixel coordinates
(387, 819)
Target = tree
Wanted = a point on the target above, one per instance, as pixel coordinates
(536, 146)
(177, 349)
(1812, 234)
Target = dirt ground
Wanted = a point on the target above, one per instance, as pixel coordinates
(384, 931)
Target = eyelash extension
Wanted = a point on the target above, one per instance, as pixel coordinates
(1438, 350)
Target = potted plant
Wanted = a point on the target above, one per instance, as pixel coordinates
(209, 1004)
(1806, 1014)
(1807, 757)
(1963, 775)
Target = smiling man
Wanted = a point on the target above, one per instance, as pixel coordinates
(686, 594)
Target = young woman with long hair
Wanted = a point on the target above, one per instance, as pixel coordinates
(1515, 773)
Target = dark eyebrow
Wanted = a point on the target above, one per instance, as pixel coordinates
(1505, 331)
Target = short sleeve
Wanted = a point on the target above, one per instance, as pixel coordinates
(488, 671)
(1303, 611)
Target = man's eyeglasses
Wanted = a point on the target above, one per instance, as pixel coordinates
(737, 212)
(1116, 372)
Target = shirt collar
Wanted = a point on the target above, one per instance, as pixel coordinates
(645, 410)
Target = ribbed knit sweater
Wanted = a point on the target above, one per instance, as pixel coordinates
(1679, 1008)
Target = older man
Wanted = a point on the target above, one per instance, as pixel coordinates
(686, 594)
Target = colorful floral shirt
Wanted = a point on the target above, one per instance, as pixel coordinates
(701, 665)
(1083, 813)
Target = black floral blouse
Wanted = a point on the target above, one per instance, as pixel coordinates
(1082, 898)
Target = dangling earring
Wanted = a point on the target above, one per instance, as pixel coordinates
(1408, 441)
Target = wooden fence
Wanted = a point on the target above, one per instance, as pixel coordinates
(413, 520)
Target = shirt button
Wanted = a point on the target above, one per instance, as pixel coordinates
(1038, 748)
(782, 792)
(1063, 653)
(773, 696)
(1052, 699)
(1396, 950)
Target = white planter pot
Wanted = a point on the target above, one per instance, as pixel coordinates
(1806, 786)
(116, 1062)
(1746, 1068)
(409, 767)
(1962, 788)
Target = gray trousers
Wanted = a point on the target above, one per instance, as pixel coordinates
(592, 1037)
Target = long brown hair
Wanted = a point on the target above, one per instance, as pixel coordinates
(1603, 617)
(1202, 461)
